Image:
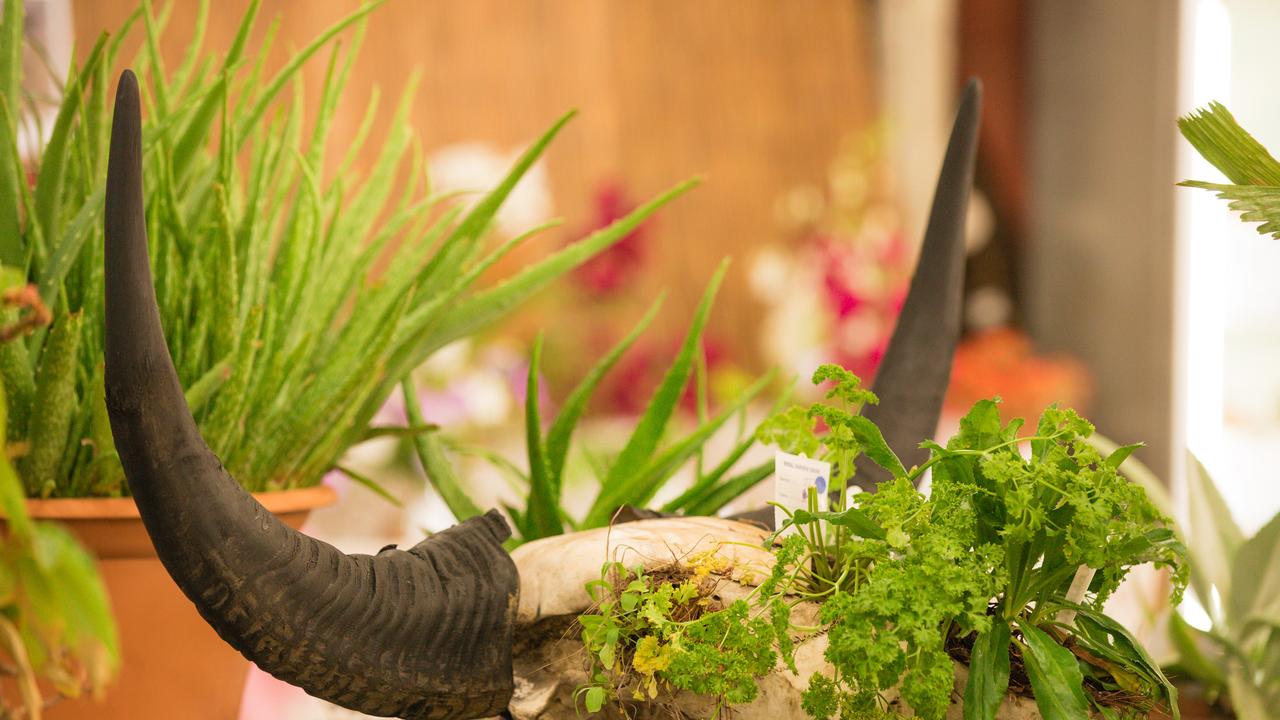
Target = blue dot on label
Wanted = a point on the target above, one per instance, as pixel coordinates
(821, 482)
(804, 494)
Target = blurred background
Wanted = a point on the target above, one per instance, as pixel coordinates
(818, 127)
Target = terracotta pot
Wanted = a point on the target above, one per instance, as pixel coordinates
(172, 664)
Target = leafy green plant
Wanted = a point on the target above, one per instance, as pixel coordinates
(1234, 578)
(1254, 175)
(659, 631)
(54, 621)
(285, 338)
(1004, 567)
(639, 470)
(1008, 560)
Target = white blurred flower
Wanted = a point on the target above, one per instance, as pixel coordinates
(476, 166)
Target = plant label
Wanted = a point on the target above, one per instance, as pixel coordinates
(797, 479)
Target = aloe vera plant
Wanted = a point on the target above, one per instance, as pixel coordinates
(640, 468)
(284, 336)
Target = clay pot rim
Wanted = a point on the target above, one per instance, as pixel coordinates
(278, 502)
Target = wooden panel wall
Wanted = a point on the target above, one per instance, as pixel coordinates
(754, 94)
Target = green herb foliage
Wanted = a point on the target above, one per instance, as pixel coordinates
(263, 258)
(987, 559)
(655, 632)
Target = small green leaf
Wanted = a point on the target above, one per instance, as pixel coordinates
(1255, 578)
(874, 446)
(1212, 536)
(853, 518)
(1055, 676)
(595, 699)
(1122, 453)
(988, 673)
(1191, 659)
(980, 427)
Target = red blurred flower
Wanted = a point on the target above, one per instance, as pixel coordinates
(619, 264)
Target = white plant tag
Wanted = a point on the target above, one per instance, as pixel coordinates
(795, 478)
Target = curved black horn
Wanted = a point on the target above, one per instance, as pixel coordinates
(912, 381)
(419, 634)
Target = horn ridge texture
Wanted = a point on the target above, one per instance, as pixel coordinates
(912, 380)
(423, 633)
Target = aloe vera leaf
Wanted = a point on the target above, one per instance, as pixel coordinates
(705, 484)
(439, 470)
(479, 217)
(178, 80)
(561, 430)
(12, 497)
(430, 312)
(104, 472)
(638, 487)
(662, 405)
(155, 58)
(202, 390)
(19, 379)
(220, 428)
(54, 159)
(55, 402)
(73, 238)
(543, 513)
(452, 253)
(331, 91)
(269, 92)
(334, 393)
(516, 478)
(11, 58)
(362, 133)
(483, 308)
(730, 490)
(196, 133)
(13, 251)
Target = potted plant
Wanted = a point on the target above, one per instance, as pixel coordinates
(285, 340)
